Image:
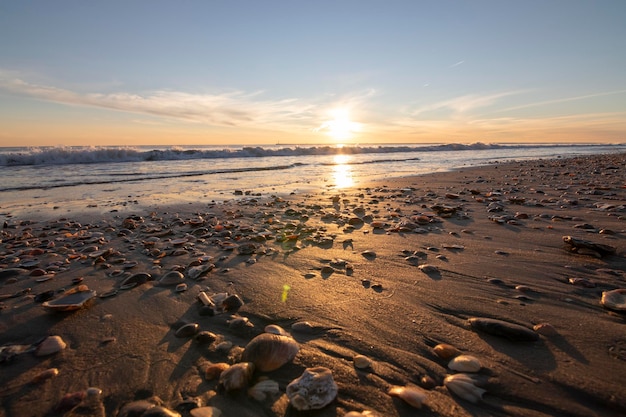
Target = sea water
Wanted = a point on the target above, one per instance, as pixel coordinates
(57, 177)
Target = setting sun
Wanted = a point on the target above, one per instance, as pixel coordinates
(340, 127)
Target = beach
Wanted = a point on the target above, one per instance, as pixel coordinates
(383, 284)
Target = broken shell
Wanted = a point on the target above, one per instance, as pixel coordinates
(446, 351)
(361, 361)
(314, 389)
(465, 363)
(614, 300)
(465, 387)
(50, 345)
(270, 351)
(237, 376)
(214, 370)
(262, 389)
(171, 278)
(414, 396)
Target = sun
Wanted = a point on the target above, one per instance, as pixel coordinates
(340, 126)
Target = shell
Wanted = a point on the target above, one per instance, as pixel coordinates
(50, 345)
(503, 328)
(303, 327)
(545, 329)
(188, 330)
(72, 300)
(446, 351)
(276, 329)
(361, 361)
(214, 370)
(262, 389)
(614, 300)
(414, 396)
(205, 412)
(134, 280)
(428, 269)
(465, 363)
(171, 278)
(270, 351)
(465, 387)
(159, 411)
(205, 337)
(232, 303)
(45, 375)
(237, 376)
(314, 389)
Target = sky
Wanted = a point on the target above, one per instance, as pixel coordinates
(293, 72)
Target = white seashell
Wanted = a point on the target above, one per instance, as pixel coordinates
(465, 387)
(465, 363)
(270, 351)
(615, 299)
(412, 395)
(276, 329)
(361, 361)
(314, 389)
(237, 376)
(205, 412)
(50, 345)
(262, 389)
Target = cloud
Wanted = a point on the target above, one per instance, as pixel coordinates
(234, 108)
(457, 64)
(560, 100)
(464, 104)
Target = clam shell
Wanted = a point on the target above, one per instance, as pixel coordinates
(446, 351)
(50, 345)
(465, 387)
(314, 389)
(72, 300)
(465, 363)
(237, 376)
(214, 370)
(361, 361)
(414, 396)
(172, 278)
(614, 300)
(188, 330)
(270, 351)
(275, 329)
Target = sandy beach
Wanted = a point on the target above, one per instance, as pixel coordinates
(504, 266)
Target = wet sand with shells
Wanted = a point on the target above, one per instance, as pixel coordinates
(389, 271)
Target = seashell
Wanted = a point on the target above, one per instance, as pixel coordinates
(465, 363)
(214, 370)
(275, 329)
(50, 345)
(237, 376)
(134, 280)
(412, 395)
(232, 303)
(303, 327)
(362, 361)
(446, 351)
(224, 346)
(205, 412)
(262, 389)
(545, 329)
(45, 375)
(205, 337)
(171, 278)
(270, 351)
(428, 269)
(503, 328)
(614, 300)
(314, 389)
(465, 387)
(71, 300)
(188, 330)
(181, 287)
(205, 300)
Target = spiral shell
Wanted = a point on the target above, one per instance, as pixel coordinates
(270, 351)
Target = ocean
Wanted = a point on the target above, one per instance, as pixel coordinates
(44, 178)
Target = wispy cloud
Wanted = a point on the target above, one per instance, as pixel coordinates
(457, 64)
(234, 108)
(560, 100)
(464, 104)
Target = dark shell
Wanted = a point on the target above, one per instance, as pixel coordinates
(44, 296)
(134, 280)
(188, 330)
(503, 328)
(205, 337)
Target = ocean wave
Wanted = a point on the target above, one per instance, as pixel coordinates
(106, 154)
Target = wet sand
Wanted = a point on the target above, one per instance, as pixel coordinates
(353, 262)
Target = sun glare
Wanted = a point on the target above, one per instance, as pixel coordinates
(340, 127)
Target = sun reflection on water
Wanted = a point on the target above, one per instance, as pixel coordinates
(342, 171)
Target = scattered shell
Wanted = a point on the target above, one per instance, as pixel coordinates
(503, 328)
(412, 395)
(276, 329)
(314, 389)
(237, 376)
(428, 269)
(465, 387)
(172, 278)
(303, 327)
(134, 280)
(465, 363)
(45, 375)
(545, 329)
(270, 351)
(214, 370)
(446, 351)
(205, 300)
(71, 300)
(181, 287)
(188, 330)
(50, 345)
(205, 337)
(261, 390)
(362, 361)
(614, 300)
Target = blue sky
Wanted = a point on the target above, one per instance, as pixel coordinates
(213, 72)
